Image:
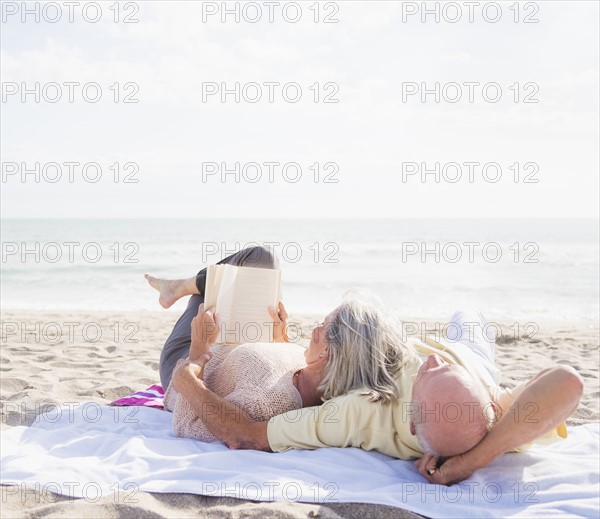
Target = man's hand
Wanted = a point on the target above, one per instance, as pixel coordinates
(205, 330)
(452, 470)
(279, 323)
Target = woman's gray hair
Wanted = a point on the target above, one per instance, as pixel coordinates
(365, 351)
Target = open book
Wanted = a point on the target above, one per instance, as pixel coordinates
(242, 296)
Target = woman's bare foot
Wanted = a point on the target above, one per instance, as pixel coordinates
(170, 290)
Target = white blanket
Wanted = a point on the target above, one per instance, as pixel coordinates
(88, 450)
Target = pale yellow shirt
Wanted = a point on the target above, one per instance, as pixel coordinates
(353, 420)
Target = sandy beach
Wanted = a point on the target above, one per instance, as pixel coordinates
(53, 358)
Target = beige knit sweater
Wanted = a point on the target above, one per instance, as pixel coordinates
(257, 377)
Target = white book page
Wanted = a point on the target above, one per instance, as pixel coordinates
(219, 279)
(255, 290)
(211, 288)
(241, 296)
(225, 298)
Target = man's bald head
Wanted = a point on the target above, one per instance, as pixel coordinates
(451, 410)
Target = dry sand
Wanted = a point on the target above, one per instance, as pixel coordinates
(59, 357)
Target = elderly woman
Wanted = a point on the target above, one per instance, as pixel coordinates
(356, 347)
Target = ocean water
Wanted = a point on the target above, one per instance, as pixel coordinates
(512, 269)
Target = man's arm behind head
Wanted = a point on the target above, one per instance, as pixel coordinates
(547, 400)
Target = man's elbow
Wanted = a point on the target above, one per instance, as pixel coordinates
(234, 444)
(247, 445)
(254, 437)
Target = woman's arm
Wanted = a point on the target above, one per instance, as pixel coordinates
(205, 330)
(226, 421)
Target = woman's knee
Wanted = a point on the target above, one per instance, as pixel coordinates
(262, 257)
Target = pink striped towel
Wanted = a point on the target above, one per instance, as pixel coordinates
(151, 397)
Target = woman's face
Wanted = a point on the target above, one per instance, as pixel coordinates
(318, 341)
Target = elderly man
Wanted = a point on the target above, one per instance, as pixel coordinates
(450, 407)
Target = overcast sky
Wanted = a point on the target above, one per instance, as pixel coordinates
(366, 61)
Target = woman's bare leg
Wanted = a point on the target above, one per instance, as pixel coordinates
(171, 290)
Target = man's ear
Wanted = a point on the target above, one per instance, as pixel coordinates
(412, 427)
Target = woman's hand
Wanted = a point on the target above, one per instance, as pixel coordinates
(279, 322)
(205, 330)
